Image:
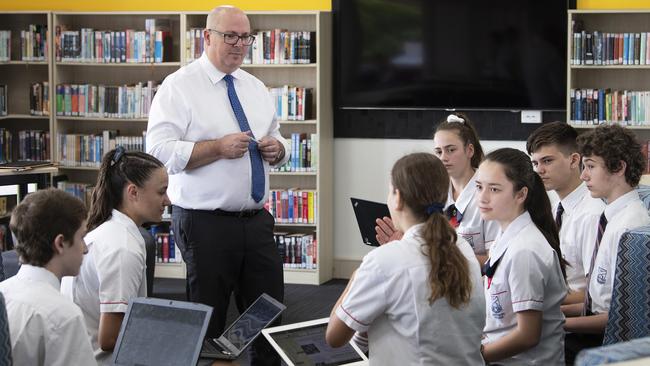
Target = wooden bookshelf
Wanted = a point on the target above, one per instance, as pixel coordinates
(632, 77)
(316, 75)
(19, 74)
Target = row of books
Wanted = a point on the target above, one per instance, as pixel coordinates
(292, 103)
(3, 100)
(597, 106)
(279, 46)
(297, 250)
(39, 99)
(83, 191)
(275, 46)
(88, 150)
(154, 44)
(33, 145)
(33, 44)
(166, 250)
(293, 206)
(603, 48)
(303, 154)
(105, 101)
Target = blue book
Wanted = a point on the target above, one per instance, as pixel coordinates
(601, 106)
(172, 246)
(291, 203)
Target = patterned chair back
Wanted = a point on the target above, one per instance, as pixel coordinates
(630, 306)
(644, 194)
(5, 342)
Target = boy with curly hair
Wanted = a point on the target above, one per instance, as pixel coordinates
(613, 164)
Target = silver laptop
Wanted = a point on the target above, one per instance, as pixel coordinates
(303, 344)
(244, 330)
(150, 326)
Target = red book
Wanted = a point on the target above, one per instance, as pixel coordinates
(165, 248)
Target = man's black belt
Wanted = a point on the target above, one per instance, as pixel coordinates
(244, 213)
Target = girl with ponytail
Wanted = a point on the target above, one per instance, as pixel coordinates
(420, 298)
(456, 144)
(131, 189)
(525, 275)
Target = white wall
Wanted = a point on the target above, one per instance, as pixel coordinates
(361, 170)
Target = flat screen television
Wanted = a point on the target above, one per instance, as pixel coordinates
(450, 54)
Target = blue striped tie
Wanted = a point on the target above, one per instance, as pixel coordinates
(257, 168)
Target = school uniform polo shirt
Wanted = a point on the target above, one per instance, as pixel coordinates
(577, 234)
(45, 327)
(625, 213)
(389, 298)
(113, 271)
(478, 233)
(527, 277)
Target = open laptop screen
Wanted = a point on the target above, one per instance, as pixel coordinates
(307, 346)
(263, 311)
(150, 329)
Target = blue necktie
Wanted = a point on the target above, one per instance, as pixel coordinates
(257, 168)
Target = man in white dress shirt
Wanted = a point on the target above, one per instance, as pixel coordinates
(554, 153)
(45, 327)
(213, 126)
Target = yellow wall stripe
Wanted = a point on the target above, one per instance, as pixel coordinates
(162, 5)
(613, 4)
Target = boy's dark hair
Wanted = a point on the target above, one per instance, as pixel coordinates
(553, 133)
(39, 218)
(615, 144)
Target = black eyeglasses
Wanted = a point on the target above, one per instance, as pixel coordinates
(233, 38)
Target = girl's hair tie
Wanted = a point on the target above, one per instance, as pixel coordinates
(435, 208)
(452, 118)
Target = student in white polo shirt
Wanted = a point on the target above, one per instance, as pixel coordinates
(524, 276)
(613, 165)
(554, 153)
(457, 145)
(131, 190)
(45, 327)
(419, 298)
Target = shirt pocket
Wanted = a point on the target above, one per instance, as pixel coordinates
(499, 304)
(474, 236)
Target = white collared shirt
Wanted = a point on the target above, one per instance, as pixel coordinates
(113, 271)
(578, 233)
(389, 298)
(625, 213)
(479, 234)
(528, 277)
(192, 105)
(45, 327)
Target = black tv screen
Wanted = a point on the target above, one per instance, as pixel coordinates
(464, 54)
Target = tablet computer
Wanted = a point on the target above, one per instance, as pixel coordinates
(303, 344)
(367, 212)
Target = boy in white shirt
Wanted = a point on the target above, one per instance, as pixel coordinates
(613, 164)
(554, 153)
(45, 327)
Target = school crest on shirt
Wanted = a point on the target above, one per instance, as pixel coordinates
(497, 309)
(602, 275)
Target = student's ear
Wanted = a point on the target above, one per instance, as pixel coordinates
(520, 196)
(470, 150)
(399, 203)
(575, 160)
(58, 244)
(621, 170)
(131, 192)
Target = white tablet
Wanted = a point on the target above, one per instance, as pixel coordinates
(303, 344)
